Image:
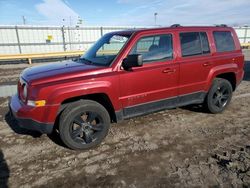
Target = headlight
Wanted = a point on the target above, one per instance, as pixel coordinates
(22, 89)
(25, 91)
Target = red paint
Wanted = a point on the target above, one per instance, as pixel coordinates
(58, 82)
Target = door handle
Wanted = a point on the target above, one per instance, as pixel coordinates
(207, 64)
(169, 71)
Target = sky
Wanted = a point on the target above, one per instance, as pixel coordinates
(125, 12)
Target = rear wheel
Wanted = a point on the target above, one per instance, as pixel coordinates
(84, 124)
(219, 96)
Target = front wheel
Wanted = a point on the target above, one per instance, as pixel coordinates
(219, 96)
(84, 124)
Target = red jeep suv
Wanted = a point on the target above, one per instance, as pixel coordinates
(126, 74)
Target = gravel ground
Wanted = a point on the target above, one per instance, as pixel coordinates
(182, 147)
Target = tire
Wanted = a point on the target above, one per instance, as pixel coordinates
(219, 96)
(84, 124)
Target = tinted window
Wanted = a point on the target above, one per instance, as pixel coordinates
(154, 48)
(190, 44)
(224, 41)
(194, 43)
(204, 43)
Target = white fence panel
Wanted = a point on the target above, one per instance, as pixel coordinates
(8, 36)
(41, 39)
(243, 34)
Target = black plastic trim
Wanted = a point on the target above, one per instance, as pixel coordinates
(146, 108)
(119, 116)
(175, 25)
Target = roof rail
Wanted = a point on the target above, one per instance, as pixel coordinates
(175, 25)
(221, 25)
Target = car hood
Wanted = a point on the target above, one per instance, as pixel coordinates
(58, 71)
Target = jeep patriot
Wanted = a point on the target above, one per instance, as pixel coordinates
(127, 74)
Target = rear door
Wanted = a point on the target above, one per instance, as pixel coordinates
(228, 50)
(145, 89)
(195, 61)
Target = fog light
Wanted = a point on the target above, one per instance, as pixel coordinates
(36, 103)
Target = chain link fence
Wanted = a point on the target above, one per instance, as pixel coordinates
(38, 39)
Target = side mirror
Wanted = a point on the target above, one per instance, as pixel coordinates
(134, 60)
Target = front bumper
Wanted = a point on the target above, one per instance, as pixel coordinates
(15, 107)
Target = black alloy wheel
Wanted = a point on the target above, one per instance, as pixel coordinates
(219, 96)
(84, 124)
(86, 127)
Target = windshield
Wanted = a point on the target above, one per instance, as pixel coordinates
(104, 51)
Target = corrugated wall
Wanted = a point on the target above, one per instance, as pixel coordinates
(37, 39)
(243, 34)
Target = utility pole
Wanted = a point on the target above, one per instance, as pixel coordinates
(155, 16)
(24, 20)
(63, 21)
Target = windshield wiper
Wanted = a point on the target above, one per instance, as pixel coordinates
(86, 60)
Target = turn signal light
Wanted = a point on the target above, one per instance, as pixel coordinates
(36, 103)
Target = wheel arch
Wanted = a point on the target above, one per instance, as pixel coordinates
(229, 76)
(101, 98)
(226, 71)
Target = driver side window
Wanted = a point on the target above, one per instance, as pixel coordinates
(154, 48)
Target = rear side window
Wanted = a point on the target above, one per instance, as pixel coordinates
(224, 41)
(194, 43)
(204, 43)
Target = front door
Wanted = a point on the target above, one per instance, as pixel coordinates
(154, 85)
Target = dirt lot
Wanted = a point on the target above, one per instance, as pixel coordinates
(183, 147)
